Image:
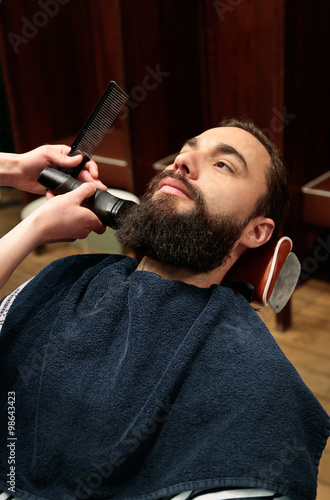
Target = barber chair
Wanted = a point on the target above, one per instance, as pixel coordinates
(268, 275)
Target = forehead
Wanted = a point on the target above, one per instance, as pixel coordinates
(254, 153)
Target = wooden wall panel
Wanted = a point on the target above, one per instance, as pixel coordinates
(243, 63)
(173, 58)
(161, 38)
(307, 86)
(57, 57)
(108, 58)
(46, 64)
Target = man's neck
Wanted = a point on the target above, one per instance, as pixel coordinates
(169, 272)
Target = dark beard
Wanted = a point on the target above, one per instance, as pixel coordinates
(194, 239)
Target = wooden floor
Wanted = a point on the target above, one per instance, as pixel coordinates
(306, 343)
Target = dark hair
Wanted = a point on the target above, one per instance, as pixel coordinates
(275, 201)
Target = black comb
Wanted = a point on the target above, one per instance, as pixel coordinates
(98, 124)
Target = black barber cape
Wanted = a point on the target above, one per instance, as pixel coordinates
(129, 386)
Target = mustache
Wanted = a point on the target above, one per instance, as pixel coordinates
(193, 192)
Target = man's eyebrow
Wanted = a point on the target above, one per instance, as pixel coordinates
(220, 148)
(230, 150)
(192, 143)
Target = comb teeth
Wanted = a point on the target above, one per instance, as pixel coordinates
(100, 121)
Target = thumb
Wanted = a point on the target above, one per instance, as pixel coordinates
(86, 190)
(58, 158)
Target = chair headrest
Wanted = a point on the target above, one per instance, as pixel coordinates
(272, 271)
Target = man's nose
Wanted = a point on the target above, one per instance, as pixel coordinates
(188, 164)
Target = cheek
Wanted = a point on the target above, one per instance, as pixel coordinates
(236, 202)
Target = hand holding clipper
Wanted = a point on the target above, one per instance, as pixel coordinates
(108, 208)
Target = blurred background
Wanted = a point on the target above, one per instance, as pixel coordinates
(186, 64)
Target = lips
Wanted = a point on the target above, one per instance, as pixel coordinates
(173, 187)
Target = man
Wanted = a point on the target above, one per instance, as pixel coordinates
(154, 381)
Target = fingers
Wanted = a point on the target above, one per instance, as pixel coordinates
(99, 228)
(61, 148)
(77, 195)
(49, 195)
(60, 159)
(86, 190)
(92, 168)
(57, 156)
(85, 220)
(90, 172)
(85, 176)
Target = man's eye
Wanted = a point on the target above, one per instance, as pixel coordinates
(223, 166)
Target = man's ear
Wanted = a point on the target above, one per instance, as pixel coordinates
(257, 232)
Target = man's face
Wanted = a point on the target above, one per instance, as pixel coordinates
(196, 210)
(227, 165)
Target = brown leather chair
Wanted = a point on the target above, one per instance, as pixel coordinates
(270, 273)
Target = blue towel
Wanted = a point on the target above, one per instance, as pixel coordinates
(130, 386)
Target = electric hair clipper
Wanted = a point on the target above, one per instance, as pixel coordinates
(108, 208)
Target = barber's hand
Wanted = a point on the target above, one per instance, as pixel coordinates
(30, 165)
(62, 218)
